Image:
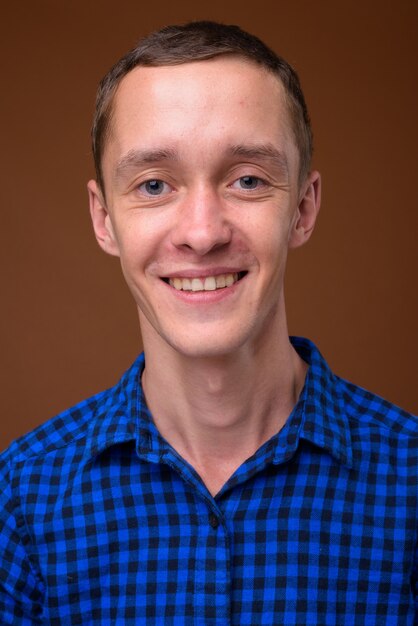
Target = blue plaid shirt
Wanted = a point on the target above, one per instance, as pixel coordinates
(102, 522)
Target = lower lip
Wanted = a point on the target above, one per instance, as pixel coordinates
(206, 297)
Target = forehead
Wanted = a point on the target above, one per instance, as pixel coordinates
(200, 104)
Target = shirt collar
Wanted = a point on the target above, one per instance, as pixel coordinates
(318, 416)
(116, 412)
(123, 416)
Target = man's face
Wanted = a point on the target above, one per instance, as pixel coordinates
(202, 202)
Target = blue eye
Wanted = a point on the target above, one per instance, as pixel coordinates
(248, 183)
(154, 187)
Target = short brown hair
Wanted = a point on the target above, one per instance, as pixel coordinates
(197, 41)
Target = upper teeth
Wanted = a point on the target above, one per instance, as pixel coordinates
(210, 283)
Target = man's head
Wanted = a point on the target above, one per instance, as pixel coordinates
(203, 194)
(197, 41)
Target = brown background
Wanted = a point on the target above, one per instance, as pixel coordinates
(69, 327)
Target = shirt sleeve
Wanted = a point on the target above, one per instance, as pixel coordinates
(21, 590)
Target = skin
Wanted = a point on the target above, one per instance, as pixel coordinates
(201, 179)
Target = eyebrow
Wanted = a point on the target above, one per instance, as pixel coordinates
(137, 158)
(264, 152)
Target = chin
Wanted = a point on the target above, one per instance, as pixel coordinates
(206, 345)
(210, 339)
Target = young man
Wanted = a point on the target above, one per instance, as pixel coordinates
(230, 477)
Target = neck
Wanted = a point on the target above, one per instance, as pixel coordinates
(209, 404)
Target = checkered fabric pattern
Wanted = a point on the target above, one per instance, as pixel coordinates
(103, 523)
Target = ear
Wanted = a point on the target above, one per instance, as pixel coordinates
(307, 211)
(102, 224)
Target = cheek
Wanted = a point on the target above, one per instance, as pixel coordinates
(270, 236)
(138, 239)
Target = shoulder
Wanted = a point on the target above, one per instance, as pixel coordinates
(79, 427)
(368, 429)
(66, 427)
(366, 409)
(384, 439)
(363, 408)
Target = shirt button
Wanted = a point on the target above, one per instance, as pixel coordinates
(213, 521)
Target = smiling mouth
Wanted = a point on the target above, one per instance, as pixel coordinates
(207, 283)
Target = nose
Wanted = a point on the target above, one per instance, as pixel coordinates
(201, 224)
